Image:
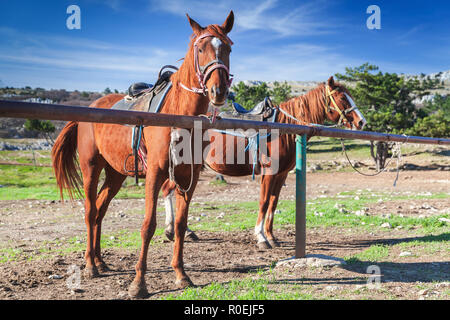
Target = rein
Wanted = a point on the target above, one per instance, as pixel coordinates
(203, 72)
(396, 151)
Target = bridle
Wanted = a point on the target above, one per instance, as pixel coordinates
(203, 72)
(330, 104)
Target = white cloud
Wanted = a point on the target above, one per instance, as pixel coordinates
(73, 57)
(300, 61)
(266, 16)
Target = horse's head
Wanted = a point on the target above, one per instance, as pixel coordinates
(211, 58)
(340, 107)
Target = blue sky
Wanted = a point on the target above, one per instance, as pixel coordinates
(121, 42)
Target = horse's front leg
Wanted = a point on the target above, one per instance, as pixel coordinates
(153, 182)
(182, 204)
(264, 199)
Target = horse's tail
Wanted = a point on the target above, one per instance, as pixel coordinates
(64, 161)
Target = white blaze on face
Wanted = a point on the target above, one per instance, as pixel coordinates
(353, 104)
(216, 43)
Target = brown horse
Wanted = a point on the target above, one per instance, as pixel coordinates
(203, 78)
(330, 101)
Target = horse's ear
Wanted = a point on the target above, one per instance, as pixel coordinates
(331, 82)
(228, 24)
(194, 25)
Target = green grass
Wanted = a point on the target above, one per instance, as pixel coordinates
(10, 254)
(124, 239)
(375, 253)
(430, 244)
(242, 216)
(29, 182)
(244, 289)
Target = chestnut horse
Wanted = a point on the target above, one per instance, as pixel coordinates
(203, 78)
(330, 101)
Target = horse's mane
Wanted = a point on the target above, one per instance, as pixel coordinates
(310, 107)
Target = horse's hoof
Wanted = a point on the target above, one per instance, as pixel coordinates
(102, 267)
(169, 234)
(91, 272)
(191, 236)
(274, 243)
(138, 290)
(184, 283)
(263, 245)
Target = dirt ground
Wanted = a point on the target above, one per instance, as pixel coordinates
(223, 256)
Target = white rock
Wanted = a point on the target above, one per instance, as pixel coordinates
(405, 254)
(332, 288)
(386, 225)
(442, 284)
(423, 292)
(444, 220)
(360, 213)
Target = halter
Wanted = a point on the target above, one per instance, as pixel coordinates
(342, 114)
(203, 72)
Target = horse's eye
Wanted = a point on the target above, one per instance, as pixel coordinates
(200, 50)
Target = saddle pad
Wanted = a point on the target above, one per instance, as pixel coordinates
(149, 101)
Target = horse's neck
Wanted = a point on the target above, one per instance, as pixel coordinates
(304, 109)
(308, 108)
(181, 101)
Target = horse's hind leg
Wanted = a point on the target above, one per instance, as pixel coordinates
(274, 196)
(90, 168)
(113, 183)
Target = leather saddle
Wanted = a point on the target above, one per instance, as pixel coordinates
(146, 97)
(263, 111)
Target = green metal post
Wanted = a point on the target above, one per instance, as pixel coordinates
(300, 197)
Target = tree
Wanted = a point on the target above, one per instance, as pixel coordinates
(437, 122)
(280, 92)
(44, 127)
(249, 96)
(386, 100)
